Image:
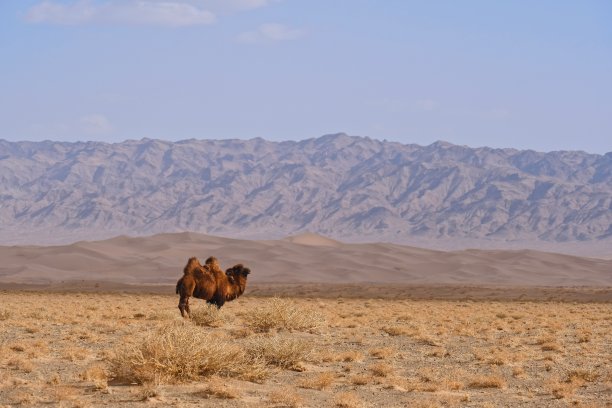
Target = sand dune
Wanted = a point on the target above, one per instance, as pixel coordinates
(307, 258)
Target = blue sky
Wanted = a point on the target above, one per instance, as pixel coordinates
(524, 74)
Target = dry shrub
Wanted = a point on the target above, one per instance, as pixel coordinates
(280, 351)
(491, 381)
(287, 397)
(277, 313)
(581, 376)
(396, 330)
(319, 381)
(350, 356)
(23, 396)
(361, 379)
(382, 352)
(163, 315)
(551, 346)
(53, 380)
(241, 333)
(149, 391)
(546, 338)
(430, 378)
(18, 347)
(21, 364)
(381, 369)
(179, 352)
(498, 358)
(584, 337)
(5, 314)
(98, 375)
(32, 329)
(328, 356)
(75, 354)
(561, 389)
(427, 340)
(438, 352)
(209, 316)
(518, 372)
(347, 400)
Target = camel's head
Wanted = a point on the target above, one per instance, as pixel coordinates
(238, 270)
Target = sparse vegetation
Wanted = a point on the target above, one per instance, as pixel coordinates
(318, 381)
(278, 313)
(279, 350)
(112, 349)
(208, 315)
(286, 397)
(179, 352)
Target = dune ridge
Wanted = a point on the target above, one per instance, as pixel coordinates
(308, 258)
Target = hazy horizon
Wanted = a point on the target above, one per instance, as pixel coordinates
(169, 140)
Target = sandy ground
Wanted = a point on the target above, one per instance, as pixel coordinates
(58, 349)
(323, 323)
(308, 258)
(350, 291)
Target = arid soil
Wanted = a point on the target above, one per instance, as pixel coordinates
(129, 349)
(304, 259)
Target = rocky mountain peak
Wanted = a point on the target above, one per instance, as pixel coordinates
(337, 185)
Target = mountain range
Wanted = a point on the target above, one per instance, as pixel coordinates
(345, 187)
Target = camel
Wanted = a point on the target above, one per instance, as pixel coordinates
(210, 283)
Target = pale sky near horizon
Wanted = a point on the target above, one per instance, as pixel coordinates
(523, 74)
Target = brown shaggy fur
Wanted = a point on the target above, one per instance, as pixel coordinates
(208, 282)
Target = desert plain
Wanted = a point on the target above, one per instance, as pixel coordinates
(321, 324)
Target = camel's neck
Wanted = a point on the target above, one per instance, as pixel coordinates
(237, 288)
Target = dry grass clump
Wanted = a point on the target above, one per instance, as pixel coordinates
(319, 381)
(396, 330)
(163, 315)
(209, 316)
(180, 352)
(584, 336)
(149, 392)
(286, 397)
(277, 313)
(350, 356)
(280, 351)
(490, 381)
(21, 364)
(347, 400)
(381, 369)
(581, 376)
(23, 396)
(75, 354)
(551, 347)
(485, 356)
(361, 379)
(98, 375)
(218, 389)
(5, 314)
(382, 352)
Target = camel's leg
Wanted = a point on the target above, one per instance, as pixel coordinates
(184, 305)
(218, 301)
(187, 308)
